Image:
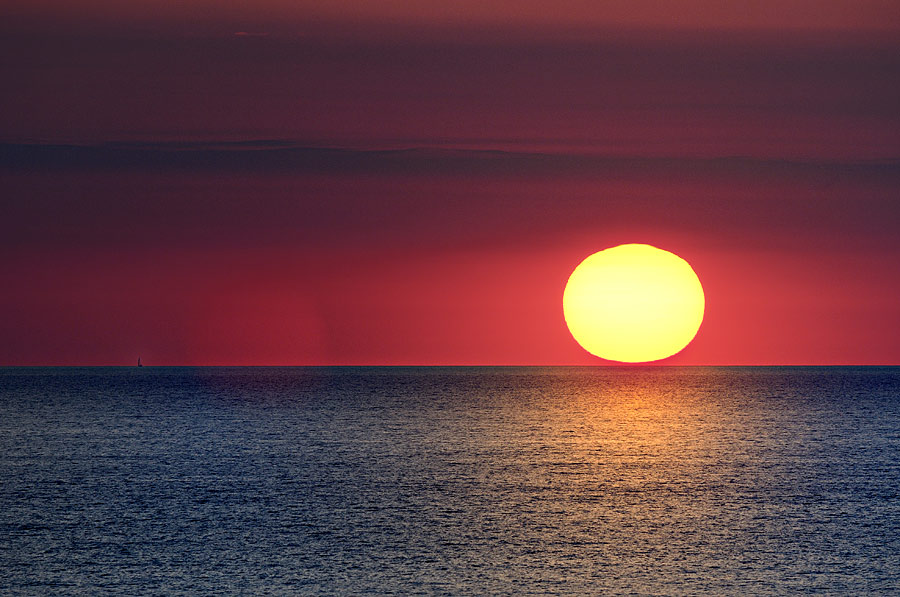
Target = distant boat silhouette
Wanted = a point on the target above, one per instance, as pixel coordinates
(139, 362)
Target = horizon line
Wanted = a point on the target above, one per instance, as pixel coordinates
(448, 366)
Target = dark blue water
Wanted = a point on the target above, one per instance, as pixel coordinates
(450, 480)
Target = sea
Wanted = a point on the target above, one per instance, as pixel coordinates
(450, 481)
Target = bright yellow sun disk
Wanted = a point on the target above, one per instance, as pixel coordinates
(633, 303)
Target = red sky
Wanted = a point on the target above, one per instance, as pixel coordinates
(883, 15)
(413, 186)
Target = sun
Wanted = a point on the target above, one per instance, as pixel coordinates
(633, 303)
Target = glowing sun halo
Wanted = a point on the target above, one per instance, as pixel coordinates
(633, 303)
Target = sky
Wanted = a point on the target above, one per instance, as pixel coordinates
(300, 183)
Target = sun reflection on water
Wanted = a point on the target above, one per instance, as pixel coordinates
(639, 480)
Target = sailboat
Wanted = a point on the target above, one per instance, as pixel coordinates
(139, 362)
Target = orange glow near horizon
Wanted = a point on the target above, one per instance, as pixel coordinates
(633, 303)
